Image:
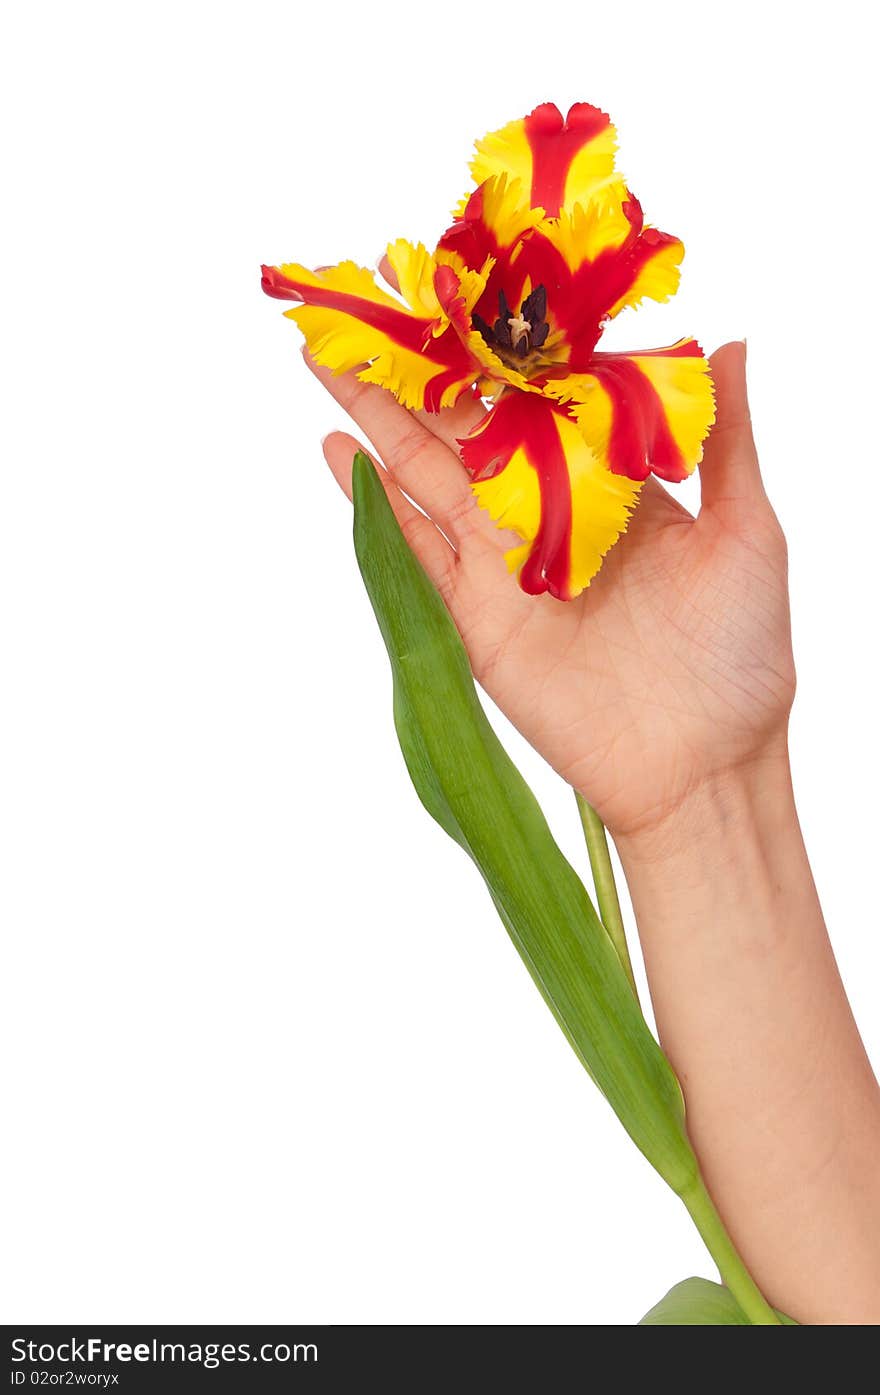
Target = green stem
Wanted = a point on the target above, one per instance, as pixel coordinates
(731, 1268)
(606, 888)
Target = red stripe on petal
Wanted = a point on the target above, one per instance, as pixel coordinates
(596, 286)
(548, 565)
(527, 422)
(640, 442)
(469, 237)
(473, 240)
(402, 326)
(448, 288)
(278, 286)
(554, 142)
(438, 385)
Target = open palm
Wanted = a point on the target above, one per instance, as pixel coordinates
(671, 668)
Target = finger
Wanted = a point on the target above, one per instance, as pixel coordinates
(730, 473)
(417, 462)
(428, 544)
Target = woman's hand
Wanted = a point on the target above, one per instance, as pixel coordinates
(671, 671)
(663, 694)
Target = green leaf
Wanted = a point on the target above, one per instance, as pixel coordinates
(700, 1303)
(468, 783)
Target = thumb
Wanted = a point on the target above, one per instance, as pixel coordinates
(730, 473)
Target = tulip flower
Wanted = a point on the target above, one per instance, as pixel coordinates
(510, 306)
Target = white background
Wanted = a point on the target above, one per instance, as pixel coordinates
(268, 1053)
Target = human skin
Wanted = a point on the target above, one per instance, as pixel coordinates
(663, 695)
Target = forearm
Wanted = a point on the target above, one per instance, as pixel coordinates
(782, 1106)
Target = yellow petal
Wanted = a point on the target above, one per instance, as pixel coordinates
(559, 161)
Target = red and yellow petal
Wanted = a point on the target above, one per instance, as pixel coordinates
(610, 246)
(349, 323)
(655, 270)
(645, 413)
(560, 160)
(601, 259)
(534, 473)
(490, 232)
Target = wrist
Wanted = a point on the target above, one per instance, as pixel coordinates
(730, 812)
(724, 876)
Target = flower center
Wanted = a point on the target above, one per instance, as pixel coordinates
(514, 337)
